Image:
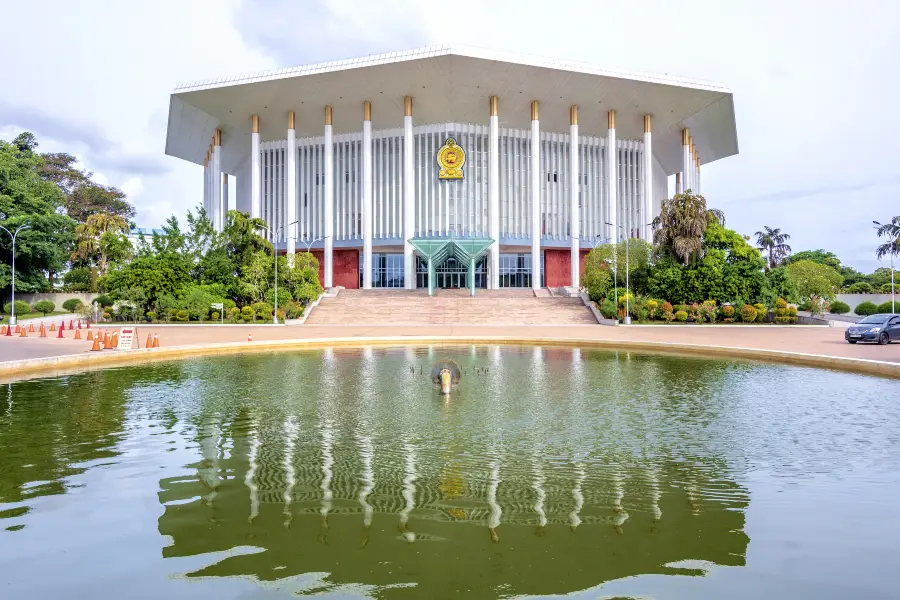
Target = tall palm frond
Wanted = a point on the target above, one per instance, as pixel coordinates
(681, 223)
(892, 232)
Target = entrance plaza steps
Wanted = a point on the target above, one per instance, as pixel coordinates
(414, 307)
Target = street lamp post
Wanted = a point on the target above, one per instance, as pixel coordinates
(12, 316)
(627, 308)
(275, 252)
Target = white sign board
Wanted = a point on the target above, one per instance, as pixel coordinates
(126, 338)
(218, 306)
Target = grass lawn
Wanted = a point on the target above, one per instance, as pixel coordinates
(35, 315)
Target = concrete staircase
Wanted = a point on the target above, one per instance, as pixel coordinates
(414, 307)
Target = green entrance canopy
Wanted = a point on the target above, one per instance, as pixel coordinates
(435, 251)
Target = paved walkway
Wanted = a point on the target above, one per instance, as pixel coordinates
(813, 340)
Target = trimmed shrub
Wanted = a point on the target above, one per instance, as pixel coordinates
(21, 307)
(861, 287)
(886, 288)
(709, 310)
(104, 301)
(678, 307)
(761, 312)
(840, 308)
(44, 306)
(681, 316)
(652, 308)
(668, 313)
(151, 314)
(781, 303)
(72, 304)
(182, 315)
(247, 314)
(227, 305)
(748, 313)
(263, 310)
(864, 309)
(215, 315)
(293, 310)
(107, 315)
(728, 313)
(884, 307)
(695, 313)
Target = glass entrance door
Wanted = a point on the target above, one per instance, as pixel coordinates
(452, 274)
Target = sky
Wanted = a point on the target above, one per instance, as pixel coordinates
(815, 85)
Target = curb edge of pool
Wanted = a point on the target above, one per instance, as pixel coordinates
(26, 369)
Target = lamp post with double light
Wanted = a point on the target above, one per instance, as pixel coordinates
(12, 316)
(275, 235)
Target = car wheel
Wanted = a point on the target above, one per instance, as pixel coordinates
(852, 341)
(884, 339)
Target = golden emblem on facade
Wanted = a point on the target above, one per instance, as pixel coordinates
(451, 158)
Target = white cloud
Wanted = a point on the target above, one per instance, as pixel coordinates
(133, 188)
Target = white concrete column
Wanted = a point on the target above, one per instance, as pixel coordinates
(329, 201)
(494, 193)
(206, 203)
(367, 195)
(290, 231)
(409, 196)
(217, 179)
(612, 176)
(224, 199)
(255, 179)
(535, 196)
(647, 212)
(686, 166)
(575, 192)
(699, 187)
(678, 187)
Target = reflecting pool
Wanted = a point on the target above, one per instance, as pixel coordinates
(548, 471)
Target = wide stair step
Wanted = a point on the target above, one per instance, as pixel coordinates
(490, 307)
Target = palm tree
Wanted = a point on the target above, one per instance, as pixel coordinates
(89, 238)
(892, 232)
(774, 242)
(681, 223)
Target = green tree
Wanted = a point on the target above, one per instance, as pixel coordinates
(773, 242)
(814, 280)
(101, 239)
(891, 231)
(44, 306)
(682, 221)
(154, 274)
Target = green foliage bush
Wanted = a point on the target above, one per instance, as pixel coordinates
(44, 306)
(293, 310)
(22, 307)
(884, 307)
(840, 308)
(215, 315)
(781, 303)
(761, 312)
(247, 314)
(748, 313)
(728, 313)
(182, 315)
(151, 315)
(864, 309)
(861, 287)
(681, 307)
(696, 313)
(263, 310)
(104, 301)
(668, 313)
(681, 316)
(886, 288)
(709, 310)
(72, 304)
(652, 308)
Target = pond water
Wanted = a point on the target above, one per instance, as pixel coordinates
(549, 471)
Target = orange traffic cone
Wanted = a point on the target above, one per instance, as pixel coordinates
(90, 335)
(249, 337)
(3, 330)
(31, 328)
(43, 331)
(149, 343)
(77, 334)
(115, 340)
(156, 340)
(96, 345)
(52, 327)
(105, 338)
(60, 336)
(22, 332)
(18, 328)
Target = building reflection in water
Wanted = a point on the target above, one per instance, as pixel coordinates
(550, 450)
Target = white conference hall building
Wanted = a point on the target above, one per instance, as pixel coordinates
(449, 166)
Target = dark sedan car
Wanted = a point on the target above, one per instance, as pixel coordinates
(883, 329)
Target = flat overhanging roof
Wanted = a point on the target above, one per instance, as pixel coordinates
(450, 84)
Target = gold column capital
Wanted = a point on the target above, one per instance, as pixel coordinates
(685, 135)
(407, 106)
(367, 111)
(292, 120)
(494, 103)
(206, 162)
(646, 123)
(535, 109)
(217, 137)
(328, 115)
(254, 123)
(611, 119)
(573, 114)
(225, 178)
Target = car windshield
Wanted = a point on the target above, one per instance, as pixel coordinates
(874, 320)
